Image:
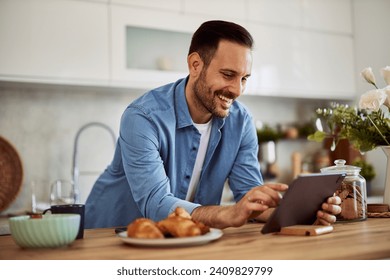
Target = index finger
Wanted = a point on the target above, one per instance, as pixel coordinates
(277, 186)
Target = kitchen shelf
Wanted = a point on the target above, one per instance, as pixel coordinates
(152, 49)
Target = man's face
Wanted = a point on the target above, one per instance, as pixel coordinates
(224, 79)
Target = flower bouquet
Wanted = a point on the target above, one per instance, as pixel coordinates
(367, 126)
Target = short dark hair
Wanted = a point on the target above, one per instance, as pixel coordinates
(206, 38)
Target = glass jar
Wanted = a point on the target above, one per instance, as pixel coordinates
(352, 192)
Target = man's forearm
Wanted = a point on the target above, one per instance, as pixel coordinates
(230, 215)
(213, 216)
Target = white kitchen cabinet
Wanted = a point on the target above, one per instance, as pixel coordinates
(288, 61)
(166, 36)
(329, 66)
(135, 54)
(216, 9)
(169, 5)
(54, 41)
(276, 12)
(329, 15)
(318, 15)
(141, 45)
(307, 50)
(297, 63)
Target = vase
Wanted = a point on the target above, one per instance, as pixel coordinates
(386, 194)
(267, 159)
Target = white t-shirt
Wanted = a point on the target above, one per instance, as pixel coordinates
(204, 130)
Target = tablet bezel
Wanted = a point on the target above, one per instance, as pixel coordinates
(302, 200)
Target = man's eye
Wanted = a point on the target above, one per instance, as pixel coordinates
(227, 75)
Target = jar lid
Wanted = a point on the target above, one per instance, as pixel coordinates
(340, 167)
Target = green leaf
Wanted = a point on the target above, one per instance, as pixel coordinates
(318, 136)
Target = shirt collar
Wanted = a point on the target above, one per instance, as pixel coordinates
(183, 117)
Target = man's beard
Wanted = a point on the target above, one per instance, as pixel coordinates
(206, 99)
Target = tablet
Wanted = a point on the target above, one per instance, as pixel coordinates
(302, 200)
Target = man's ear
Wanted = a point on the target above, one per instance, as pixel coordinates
(195, 64)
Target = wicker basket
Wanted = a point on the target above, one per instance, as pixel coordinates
(11, 174)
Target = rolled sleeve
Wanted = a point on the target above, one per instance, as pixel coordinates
(144, 168)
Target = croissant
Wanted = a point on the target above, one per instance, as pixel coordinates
(179, 227)
(203, 228)
(144, 228)
(181, 212)
(178, 224)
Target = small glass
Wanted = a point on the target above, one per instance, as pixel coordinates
(352, 192)
(62, 192)
(40, 194)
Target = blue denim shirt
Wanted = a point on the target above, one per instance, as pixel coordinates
(155, 155)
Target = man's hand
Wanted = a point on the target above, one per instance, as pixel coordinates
(264, 199)
(330, 209)
(254, 202)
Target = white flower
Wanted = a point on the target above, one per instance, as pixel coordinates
(373, 99)
(386, 74)
(387, 91)
(368, 75)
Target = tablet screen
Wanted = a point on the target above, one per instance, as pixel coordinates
(302, 200)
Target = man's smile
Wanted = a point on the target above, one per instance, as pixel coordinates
(227, 101)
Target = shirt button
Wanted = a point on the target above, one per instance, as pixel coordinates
(193, 148)
(188, 176)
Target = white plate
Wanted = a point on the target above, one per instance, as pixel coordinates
(214, 234)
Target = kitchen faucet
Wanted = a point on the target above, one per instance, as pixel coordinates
(75, 167)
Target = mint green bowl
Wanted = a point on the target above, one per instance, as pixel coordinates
(53, 230)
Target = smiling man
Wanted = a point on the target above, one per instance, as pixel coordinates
(213, 87)
(180, 143)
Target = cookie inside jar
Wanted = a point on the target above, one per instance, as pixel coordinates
(352, 192)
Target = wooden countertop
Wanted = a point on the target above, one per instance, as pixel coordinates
(368, 239)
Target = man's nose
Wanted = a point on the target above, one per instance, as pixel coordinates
(237, 87)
